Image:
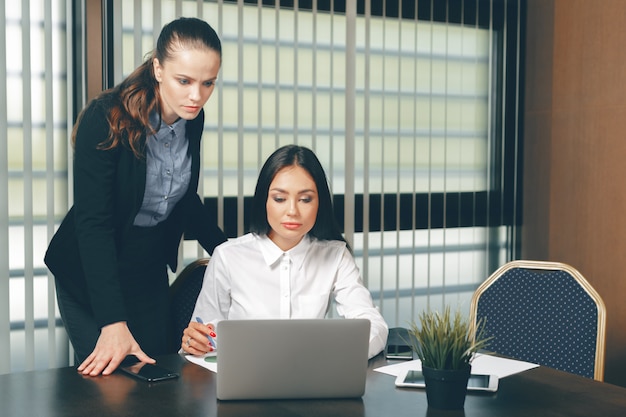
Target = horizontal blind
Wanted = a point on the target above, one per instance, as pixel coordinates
(397, 101)
(406, 104)
(5, 295)
(33, 164)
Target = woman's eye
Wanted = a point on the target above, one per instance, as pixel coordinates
(183, 81)
(209, 83)
(306, 199)
(278, 199)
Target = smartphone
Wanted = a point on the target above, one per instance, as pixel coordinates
(399, 344)
(148, 372)
(404, 352)
(477, 382)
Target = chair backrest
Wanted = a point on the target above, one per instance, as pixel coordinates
(183, 295)
(544, 313)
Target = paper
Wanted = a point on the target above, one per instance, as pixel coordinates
(208, 361)
(482, 364)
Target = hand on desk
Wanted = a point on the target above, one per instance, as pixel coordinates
(198, 338)
(114, 344)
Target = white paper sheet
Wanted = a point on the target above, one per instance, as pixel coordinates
(482, 364)
(206, 361)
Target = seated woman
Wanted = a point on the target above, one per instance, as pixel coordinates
(290, 264)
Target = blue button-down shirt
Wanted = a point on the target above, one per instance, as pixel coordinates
(168, 171)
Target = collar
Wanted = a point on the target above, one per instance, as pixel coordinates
(163, 129)
(272, 253)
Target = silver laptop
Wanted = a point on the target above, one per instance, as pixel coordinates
(295, 358)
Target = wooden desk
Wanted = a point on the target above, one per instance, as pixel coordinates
(63, 393)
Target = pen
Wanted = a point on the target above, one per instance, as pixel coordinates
(211, 341)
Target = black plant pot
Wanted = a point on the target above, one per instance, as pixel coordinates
(446, 389)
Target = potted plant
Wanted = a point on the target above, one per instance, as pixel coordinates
(446, 344)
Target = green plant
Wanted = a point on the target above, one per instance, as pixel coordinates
(444, 341)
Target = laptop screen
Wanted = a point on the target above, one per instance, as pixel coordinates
(295, 358)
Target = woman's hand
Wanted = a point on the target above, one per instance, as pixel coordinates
(197, 338)
(114, 344)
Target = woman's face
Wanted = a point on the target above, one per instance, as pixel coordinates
(187, 80)
(292, 204)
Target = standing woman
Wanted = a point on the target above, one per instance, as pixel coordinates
(136, 169)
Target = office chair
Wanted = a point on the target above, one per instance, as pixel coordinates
(545, 313)
(183, 295)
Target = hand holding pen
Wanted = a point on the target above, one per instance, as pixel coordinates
(211, 335)
(199, 338)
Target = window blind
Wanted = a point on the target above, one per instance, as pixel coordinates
(410, 105)
(34, 117)
(398, 103)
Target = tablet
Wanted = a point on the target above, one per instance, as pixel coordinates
(477, 382)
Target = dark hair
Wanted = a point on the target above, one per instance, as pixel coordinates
(325, 227)
(137, 96)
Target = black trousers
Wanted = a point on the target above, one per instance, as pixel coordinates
(145, 287)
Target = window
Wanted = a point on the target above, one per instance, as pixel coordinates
(33, 163)
(422, 113)
(412, 109)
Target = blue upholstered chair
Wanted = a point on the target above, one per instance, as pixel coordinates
(545, 313)
(183, 295)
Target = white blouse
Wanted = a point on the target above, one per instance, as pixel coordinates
(252, 278)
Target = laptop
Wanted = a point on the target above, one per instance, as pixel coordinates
(292, 358)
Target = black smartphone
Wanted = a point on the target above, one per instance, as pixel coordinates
(148, 372)
(399, 352)
(399, 343)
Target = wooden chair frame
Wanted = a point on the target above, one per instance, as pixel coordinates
(553, 266)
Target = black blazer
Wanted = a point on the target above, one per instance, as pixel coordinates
(109, 187)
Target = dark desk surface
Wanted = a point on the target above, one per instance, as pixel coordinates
(63, 392)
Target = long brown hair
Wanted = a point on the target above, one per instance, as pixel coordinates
(137, 96)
